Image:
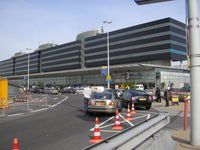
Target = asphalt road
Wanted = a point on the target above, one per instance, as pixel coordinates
(64, 126)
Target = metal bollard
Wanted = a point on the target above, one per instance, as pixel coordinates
(185, 114)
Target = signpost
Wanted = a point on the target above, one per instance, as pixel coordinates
(3, 95)
(104, 71)
(193, 21)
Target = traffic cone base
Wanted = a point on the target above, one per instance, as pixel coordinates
(129, 118)
(133, 112)
(117, 128)
(97, 137)
(95, 140)
(15, 144)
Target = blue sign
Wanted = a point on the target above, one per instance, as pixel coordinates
(104, 71)
(25, 78)
(142, 2)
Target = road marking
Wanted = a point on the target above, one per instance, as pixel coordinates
(148, 116)
(15, 114)
(33, 111)
(126, 120)
(55, 98)
(110, 131)
(59, 102)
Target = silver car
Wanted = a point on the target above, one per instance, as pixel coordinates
(104, 102)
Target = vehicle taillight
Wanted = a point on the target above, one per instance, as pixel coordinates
(111, 103)
(89, 103)
(151, 98)
(134, 98)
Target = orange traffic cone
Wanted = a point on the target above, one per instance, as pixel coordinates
(117, 125)
(15, 144)
(128, 115)
(97, 136)
(133, 108)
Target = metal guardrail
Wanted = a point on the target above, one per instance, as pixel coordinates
(133, 136)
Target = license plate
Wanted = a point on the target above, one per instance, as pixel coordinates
(142, 99)
(100, 103)
(174, 99)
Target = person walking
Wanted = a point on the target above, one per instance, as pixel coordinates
(158, 98)
(167, 96)
(87, 93)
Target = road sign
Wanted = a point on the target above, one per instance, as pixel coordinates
(108, 78)
(104, 71)
(25, 78)
(142, 2)
(3, 93)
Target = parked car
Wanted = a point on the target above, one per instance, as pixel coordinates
(140, 98)
(151, 92)
(104, 102)
(139, 87)
(54, 91)
(47, 91)
(69, 90)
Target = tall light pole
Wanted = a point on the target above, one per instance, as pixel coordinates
(27, 104)
(193, 21)
(108, 53)
(28, 69)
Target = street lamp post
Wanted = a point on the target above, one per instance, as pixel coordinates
(193, 21)
(108, 53)
(28, 79)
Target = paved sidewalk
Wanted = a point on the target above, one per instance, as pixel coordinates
(176, 126)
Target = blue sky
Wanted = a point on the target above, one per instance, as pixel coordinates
(28, 23)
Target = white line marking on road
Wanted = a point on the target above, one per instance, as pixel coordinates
(55, 98)
(103, 123)
(126, 120)
(110, 131)
(59, 102)
(148, 116)
(15, 114)
(40, 109)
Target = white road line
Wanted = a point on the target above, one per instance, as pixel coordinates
(103, 123)
(148, 116)
(110, 131)
(126, 120)
(40, 109)
(55, 98)
(59, 102)
(15, 114)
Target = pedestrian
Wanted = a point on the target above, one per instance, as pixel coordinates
(158, 98)
(167, 96)
(87, 93)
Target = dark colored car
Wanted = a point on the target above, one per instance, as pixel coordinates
(69, 90)
(140, 98)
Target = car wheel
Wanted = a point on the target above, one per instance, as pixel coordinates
(119, 107)
(148, 107)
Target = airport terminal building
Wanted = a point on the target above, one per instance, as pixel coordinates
(142, 53)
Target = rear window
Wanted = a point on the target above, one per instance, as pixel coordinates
(138, 93)
(102, 96)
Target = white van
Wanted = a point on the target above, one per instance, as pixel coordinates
(97, 88)
(139, 87)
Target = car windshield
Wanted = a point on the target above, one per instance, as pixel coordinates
(102, 96)
(138, 93)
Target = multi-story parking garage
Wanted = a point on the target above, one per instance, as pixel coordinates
(144, 52)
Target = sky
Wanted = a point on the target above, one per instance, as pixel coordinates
(26, 24)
